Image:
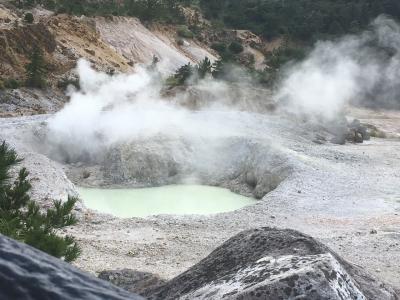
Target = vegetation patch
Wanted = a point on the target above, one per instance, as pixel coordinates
(22, 219)
(184, 32)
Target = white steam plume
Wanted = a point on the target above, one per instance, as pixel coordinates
(127, 107)
(360, 69)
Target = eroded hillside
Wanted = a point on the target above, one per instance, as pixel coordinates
(113, 44)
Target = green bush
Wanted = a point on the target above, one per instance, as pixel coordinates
(204, 68)
(36, 70)
(283, 55)
(236, 47)
(182, 75)
(63, 83)
(9, 83)
(49, 4)
(183, 31)
(22, 219)
(219, 47)
(29, 18)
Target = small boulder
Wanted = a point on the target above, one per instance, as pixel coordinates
(131, 280)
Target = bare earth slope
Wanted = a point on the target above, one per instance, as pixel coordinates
(129, 37)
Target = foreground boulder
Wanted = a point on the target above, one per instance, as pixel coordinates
(273, 264)
(29, 274)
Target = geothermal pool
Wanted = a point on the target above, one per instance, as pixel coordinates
(172, 199)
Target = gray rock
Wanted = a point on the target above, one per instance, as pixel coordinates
(339, 139)
(357, 132)
(273, 264)
(25, 101)
(133, 281)
(29, 274)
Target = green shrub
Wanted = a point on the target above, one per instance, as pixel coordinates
(13, 84)
(183, 31)
(63, 83)
(236, 47)
(219, 47)
(204, 68)
(2, 86)
(50, 4)
(22, 219)
(36, 70)
(181, 76)
(29, 18)
(283, 55)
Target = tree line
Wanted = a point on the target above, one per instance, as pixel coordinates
(301, 19)
(146, 10)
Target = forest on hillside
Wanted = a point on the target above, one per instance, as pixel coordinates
(306, 20)
(301, 19)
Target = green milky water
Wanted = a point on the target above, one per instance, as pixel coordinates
(172, 199)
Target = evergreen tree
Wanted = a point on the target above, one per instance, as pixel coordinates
(22, 219)
(218, 69)
(204, 68)
(36, 69)
(29, 18)
(183, 74)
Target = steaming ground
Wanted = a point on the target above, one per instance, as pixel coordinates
(123, 132)
(338, 194)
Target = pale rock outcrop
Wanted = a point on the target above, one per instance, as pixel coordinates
(269, 263)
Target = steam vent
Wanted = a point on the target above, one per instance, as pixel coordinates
(199, 149)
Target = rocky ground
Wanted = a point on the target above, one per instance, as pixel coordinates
(346, 196)
(265, 263)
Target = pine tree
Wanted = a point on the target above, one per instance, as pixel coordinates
(22, 219)
(36, 69)
(218, 69)
(184, 73)
(204, 68)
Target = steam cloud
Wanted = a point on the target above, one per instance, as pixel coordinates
(361, 69)
(109, 109)
(126, 107)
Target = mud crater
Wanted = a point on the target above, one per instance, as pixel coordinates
(245, 166)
